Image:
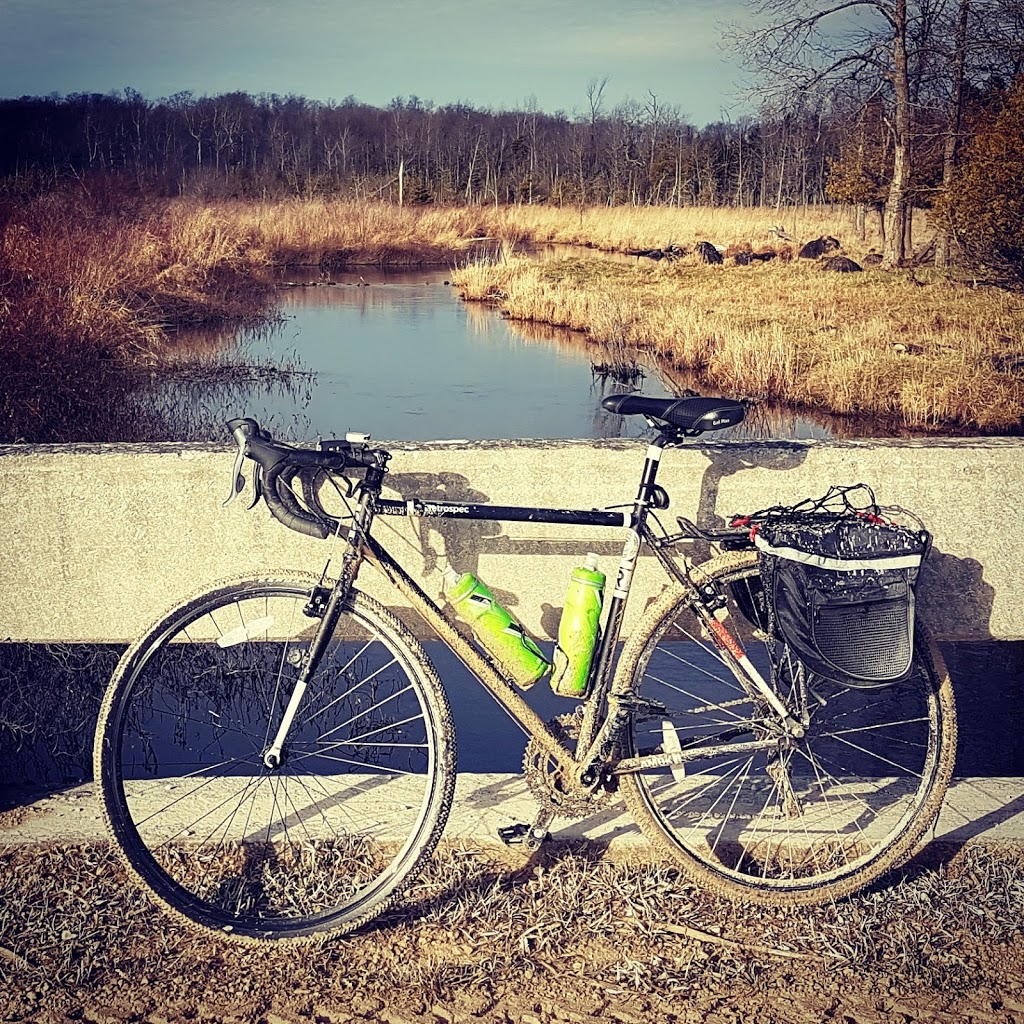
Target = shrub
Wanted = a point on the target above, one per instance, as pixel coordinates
(986, 204)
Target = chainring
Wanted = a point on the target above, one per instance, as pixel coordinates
(544, 778)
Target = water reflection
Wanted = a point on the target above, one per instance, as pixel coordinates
(50, 694)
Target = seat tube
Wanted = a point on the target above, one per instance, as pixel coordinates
(623, 580)
(644, 498)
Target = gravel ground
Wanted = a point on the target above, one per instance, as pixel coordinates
(567, 937)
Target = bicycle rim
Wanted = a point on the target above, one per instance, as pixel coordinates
(318, 845)
(809, 819)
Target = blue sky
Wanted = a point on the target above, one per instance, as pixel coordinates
(488, 53)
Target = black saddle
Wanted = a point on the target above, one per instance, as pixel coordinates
(693, 415)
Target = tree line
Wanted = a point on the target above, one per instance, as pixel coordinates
(637, 153)
(872, 102)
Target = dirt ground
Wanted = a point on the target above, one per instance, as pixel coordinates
(567, 937)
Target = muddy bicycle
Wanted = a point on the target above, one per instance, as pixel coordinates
(276, 757)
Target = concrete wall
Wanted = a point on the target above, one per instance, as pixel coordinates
(101, 539)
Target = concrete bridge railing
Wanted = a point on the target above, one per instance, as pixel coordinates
(101, 539)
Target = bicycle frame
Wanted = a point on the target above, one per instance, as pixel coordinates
(606, 709)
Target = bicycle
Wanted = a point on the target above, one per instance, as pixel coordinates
(276, 756)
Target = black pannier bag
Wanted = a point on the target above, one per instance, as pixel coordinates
(839, 582)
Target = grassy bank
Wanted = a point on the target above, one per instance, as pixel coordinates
(926, 350)
(91, 282)
(91, 289)
(570, 937)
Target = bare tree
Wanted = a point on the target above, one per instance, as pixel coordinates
(865, 45)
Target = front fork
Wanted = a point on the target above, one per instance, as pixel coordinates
(325, 603)
(273, 757)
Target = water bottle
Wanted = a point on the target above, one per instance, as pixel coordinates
(577, 630)
(499, 633)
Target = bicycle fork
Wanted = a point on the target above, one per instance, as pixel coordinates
(273, 757)
(327, 605)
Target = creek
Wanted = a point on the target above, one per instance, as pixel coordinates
(399, 355)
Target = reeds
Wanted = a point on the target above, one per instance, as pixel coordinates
(86, 290)
(926, 350)
(80, 283)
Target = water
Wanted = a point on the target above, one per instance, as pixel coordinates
(46, 730)
(399, 355)
(396, 354)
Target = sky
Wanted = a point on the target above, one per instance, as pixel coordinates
(497, 54)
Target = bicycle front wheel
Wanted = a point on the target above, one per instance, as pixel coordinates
(776, 819)
(318, 843)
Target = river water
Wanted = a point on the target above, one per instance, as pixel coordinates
(399, 355)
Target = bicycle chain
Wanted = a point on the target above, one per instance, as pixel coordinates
(544, 778)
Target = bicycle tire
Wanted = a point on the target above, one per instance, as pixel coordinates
(804, 825)
(319, 845)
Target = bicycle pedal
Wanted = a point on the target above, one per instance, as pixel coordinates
(514, 835)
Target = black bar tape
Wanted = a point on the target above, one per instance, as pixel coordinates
(285, 509)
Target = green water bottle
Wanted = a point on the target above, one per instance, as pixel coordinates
(577, 630)
(505, 640)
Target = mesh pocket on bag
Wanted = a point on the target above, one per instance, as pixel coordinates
(872, 641)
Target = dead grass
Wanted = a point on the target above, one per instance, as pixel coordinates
(82, 283)
(70, 923)
(911, 345)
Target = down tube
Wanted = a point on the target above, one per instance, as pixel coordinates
(500, 688)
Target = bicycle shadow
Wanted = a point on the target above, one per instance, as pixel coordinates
(725, 462)
(444, 542)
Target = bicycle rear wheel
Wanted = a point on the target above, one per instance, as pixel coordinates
(319, 844)
(807, 820)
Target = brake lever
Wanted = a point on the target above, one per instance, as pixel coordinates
(237, 478)
(257, 486)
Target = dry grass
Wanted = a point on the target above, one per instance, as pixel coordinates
(911, 345)
(88, 288)
(330, 233)
(81, 283)
(69, 924)
(622, 228)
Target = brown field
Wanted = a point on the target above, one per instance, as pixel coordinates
(85, 280)
(925, 350)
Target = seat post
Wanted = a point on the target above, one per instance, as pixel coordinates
(649, 475)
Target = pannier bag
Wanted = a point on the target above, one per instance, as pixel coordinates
(839, 582)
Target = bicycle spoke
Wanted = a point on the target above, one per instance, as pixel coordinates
(824, 806)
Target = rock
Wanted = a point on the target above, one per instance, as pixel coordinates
(708, 253)
(841, 265)
(819, 247)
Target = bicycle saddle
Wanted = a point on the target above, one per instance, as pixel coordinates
(690, 414)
